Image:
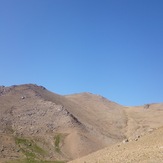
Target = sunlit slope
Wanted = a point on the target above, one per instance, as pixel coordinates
(102, 115)
(144, 143)
(32, 112)
(147, 149)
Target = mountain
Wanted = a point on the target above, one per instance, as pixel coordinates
(144, 143)
(37, 125)
(144, 149)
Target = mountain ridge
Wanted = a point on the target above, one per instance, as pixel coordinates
(81, 123)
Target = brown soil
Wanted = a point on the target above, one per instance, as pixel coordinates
(73, 126)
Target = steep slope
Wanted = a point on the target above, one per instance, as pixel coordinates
(32, 113)
(36, 124)
(147, 149)
(144, 141)
(25, 115)
(105, 116)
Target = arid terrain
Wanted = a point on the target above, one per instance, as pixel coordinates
(37, 125)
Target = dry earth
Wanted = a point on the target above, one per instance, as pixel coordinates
(146, 149)
(144, 138)
(37, 125)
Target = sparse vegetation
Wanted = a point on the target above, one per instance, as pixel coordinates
(44, 126)
(34, 153)
(57, 142)
(30, 149)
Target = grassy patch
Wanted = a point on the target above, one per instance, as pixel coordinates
(30, 149)
(29, 144)
(32, 152)
(57, 139)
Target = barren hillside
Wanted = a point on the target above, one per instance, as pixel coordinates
(105, 116)
(144, 143)
(32, 113)
(145, 149)
(38, 125)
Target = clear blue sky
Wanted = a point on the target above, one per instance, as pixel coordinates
(109, 47)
